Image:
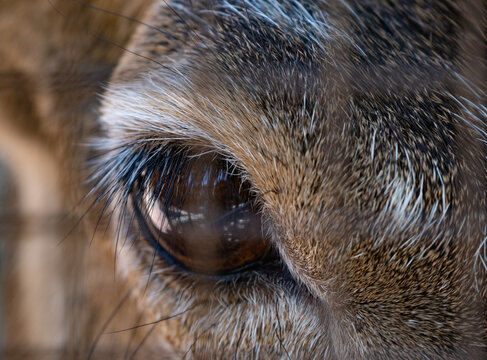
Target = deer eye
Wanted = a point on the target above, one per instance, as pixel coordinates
(199, 215)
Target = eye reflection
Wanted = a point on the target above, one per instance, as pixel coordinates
(203, 217)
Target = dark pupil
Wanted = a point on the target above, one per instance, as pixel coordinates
(208, 218)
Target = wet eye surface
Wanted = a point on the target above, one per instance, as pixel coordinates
(199, 215)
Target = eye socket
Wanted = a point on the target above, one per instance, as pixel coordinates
(201, 216)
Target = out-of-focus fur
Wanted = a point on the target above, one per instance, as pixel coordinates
(359, 124)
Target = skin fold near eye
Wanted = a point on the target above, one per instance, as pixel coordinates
(203, 217)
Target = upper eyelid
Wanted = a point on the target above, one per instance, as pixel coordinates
(162, 108)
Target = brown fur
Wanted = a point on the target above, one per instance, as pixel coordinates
(334, 132)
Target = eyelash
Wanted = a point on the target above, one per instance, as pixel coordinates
(127, 166)
(115, 170)
(131, 169)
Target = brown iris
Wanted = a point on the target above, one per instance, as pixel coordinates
(203, 217)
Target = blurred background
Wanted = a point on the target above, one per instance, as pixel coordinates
(60, 298)
(57, 290)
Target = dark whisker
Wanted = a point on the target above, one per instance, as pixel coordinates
(105, 206)
(99, 37)
(129, 227)
(154, 253)
(196, 340)
(111, 42)
(132, 337)
(279, 335)
(281, 344)
(107, 322)
(151, 323)
(142, 342)
(122, 16)
(76, 224)
(121, 221)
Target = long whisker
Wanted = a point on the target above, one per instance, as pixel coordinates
(107, 322)
(122, 16)
(142, 342)
(151, 323)
(100, 217)
(117, 239)
(196, 340)
(279, 334)
(132, 337)
(99, 37)
(150, 271)
(111, 42)
(76, 224)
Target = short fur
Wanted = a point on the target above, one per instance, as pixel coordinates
(359, 124)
